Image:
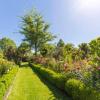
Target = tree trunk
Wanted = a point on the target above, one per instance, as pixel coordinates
(35, 50)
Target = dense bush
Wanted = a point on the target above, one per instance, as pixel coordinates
(1, 54)
(76, 88)
(57, 79)
(6, 80)
(5, 66)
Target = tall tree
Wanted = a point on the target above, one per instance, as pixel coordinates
(60, 43)
(85, 50)
(35, 30)
(60, 52)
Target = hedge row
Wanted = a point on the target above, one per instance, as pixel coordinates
(73, 87)
(6, 80)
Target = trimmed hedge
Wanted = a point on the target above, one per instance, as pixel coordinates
(57, 79)
(73, 87)
(6, 80)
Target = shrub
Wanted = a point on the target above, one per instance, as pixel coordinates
(1, 54)
(51, 63)
(55, 78)
(6, 80)
(5, 66)
(2, 89)
(74, 87)
(78, 90)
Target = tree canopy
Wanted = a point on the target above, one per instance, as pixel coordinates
(5, 43)
(35, 30)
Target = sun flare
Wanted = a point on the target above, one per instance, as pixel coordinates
(89, 4)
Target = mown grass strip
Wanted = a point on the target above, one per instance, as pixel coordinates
(28, 86)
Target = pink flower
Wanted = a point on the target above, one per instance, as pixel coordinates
(98, 68)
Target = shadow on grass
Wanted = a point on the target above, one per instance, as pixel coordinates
(58, 94)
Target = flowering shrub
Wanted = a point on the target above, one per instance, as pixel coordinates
(38, 59)
(89, 75)
(7, 72)
(73, 86)
(5, 66)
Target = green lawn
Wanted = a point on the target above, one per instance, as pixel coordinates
(28, 86)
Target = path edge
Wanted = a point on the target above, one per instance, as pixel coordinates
(8, 91)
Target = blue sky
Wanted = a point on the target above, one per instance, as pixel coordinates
(74, 21)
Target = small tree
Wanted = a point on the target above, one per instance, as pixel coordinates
(21, 52)
(5, 43)
(8, 48)
(60, 52)
(60, 43)
(85, 50)
(35, 30)
(47, 50)
(10, 53)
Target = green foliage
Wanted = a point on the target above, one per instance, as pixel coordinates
(10, 53)
(22, 52)
(1, 54)
(96, 78)
(85, 50)
(35, 30)
(78, 90)
(57, 79)
(47, 50)
(5, 66)
(6, 42)
(95, 51)
(8, 48)
(74, 87)
(60, 43)
(24, 47)
(6, 80)
(60, 53)
(2, 89)
(76, 54)
(51, 63)
(69, 47)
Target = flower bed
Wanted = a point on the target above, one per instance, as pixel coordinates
(73, 87)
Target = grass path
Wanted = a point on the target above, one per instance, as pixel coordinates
(28, 86)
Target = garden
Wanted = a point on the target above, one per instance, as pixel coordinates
(39, 68)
